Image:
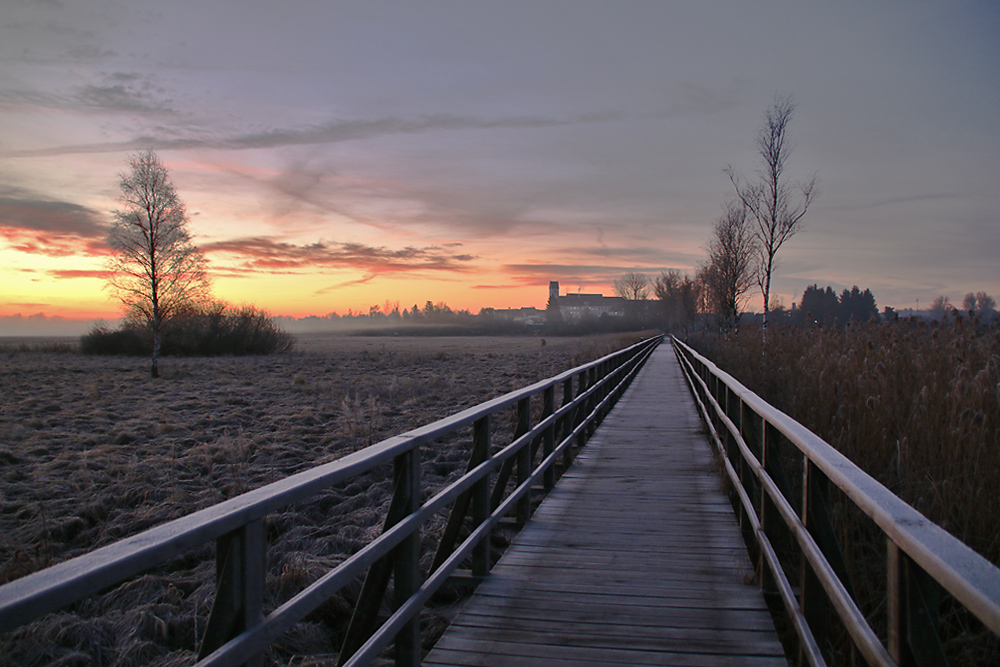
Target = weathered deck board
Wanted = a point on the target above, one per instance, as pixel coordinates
(634, 559)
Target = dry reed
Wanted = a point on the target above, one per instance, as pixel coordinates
(917, 407)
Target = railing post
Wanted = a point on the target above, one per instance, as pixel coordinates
(240, 568)
(897, 606)
(734, 410)
(768, 512)
(912, 613)
(549, 437)
(524, 457)
(568, 421)
(591, 404)
(812, 595)
(406, 577)
(607, 368)
(481, 496)
(618, 371)
(402, 563)
(816, 517)
(581, 410)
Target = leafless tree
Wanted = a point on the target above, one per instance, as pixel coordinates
(155, 269)
(679, 297)
(770, 199)
(729, 274)
(941, 306)
(969, 302)
(984, 302)
(633, 286)
(979, 302)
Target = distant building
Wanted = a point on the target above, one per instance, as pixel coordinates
(574, 307)
(527, 316)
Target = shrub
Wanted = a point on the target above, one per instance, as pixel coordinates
(125, 341)
(213, 331)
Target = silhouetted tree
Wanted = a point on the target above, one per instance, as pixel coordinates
(729, 274)
(857, 305)
(633, 286)
(820, 305)
(980, 302)
(155, 270)
(678, 296)
(984, 302)
(770, 200)
(941, 306)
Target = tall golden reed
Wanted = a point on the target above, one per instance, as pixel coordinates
(915, 406)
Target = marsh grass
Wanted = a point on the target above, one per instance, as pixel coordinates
(92, 450)
(915, 406)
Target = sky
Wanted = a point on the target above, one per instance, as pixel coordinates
(338, 155)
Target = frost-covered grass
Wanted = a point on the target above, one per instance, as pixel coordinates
(93, 450)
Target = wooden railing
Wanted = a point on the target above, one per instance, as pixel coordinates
(756, 442)
(238, 629)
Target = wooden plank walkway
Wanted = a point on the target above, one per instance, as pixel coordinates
(635, 558)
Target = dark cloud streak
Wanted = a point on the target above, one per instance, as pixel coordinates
(52, 228)
(267, 255)
(902, 200)
(324, 133)
(126, 93)
(39, 215)
(571, 274)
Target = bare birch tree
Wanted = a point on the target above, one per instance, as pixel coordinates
(155, 269)
(771, 199)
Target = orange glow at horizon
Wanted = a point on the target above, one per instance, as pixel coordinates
(85, 298)
(311, 260)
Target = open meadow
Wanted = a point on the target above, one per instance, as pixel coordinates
(93, 450)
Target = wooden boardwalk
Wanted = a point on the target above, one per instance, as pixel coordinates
(635, 558)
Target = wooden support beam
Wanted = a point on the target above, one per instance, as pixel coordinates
(481, 497)
(406, 558)
(458, 513)
(913, 616)
(813, 600)
(364, 620)
(581, 410)
(240, 568)
(549, 438)
(569, 422)
(768, 516)
(523, 457)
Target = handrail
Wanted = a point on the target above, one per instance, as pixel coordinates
(236, 525)
(918, 551)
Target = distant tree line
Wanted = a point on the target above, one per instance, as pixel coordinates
(433, 317)
(682, 303)
(824, 307)
(439, 319)
(975, 303)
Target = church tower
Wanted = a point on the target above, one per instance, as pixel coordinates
(554, 291)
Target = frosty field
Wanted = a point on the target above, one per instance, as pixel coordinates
(92, 450)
